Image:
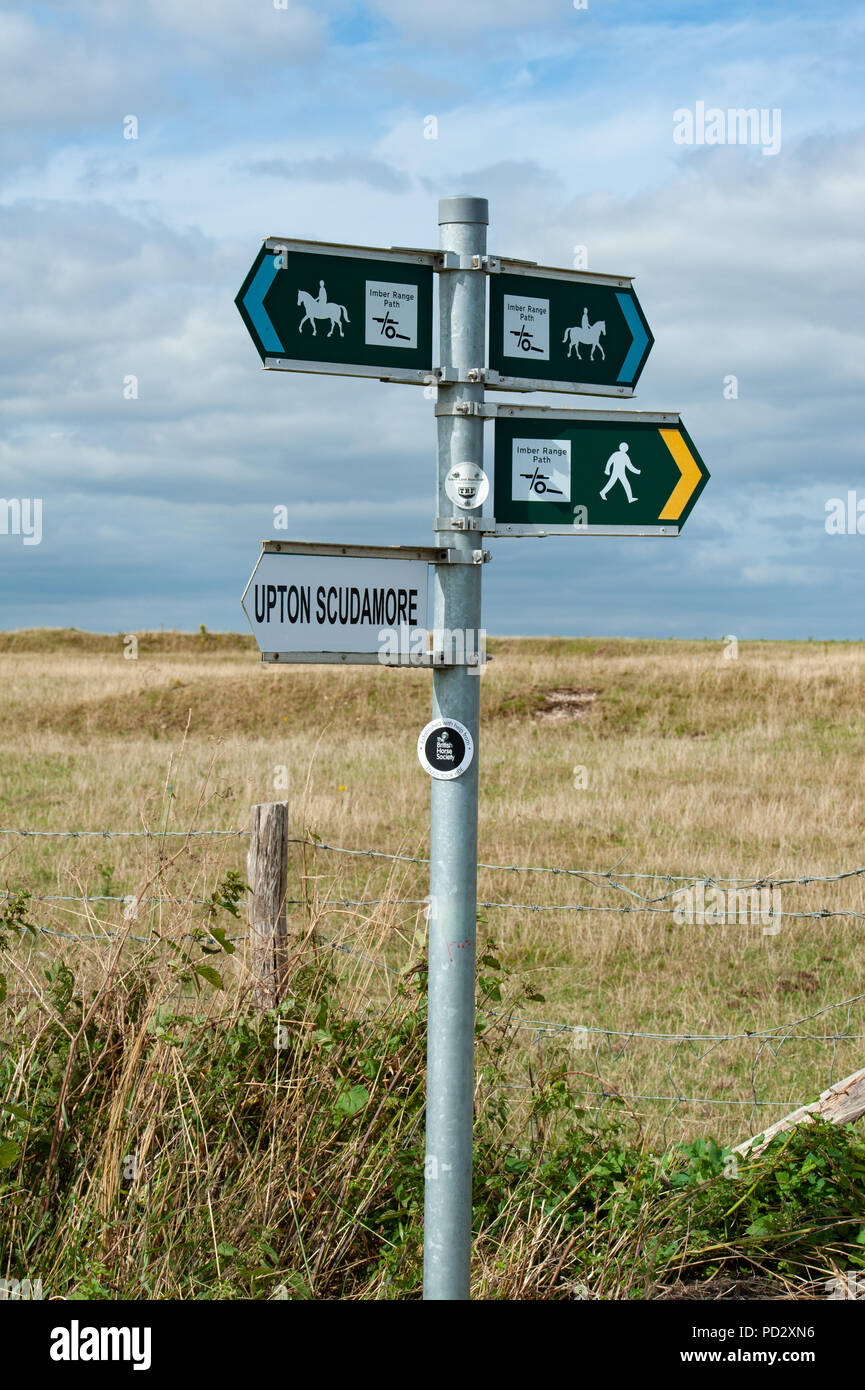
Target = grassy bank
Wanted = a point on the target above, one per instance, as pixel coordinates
(608, 1027)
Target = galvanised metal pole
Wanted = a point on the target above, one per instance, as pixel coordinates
(454, 804)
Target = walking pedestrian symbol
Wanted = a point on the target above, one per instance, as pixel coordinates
(617, 468)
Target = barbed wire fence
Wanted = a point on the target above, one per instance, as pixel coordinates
(598, 1047)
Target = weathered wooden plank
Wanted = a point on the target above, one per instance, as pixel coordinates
(840, 1104)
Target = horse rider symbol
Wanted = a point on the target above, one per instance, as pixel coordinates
(317, 307)
(590, 333)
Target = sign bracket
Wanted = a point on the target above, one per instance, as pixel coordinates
(507, 410)
(536, 531)
(463, 523)
(466, 408)
(468, 557)
(411, 376)
(433, 554)
(499, 381)
(456, 376)
(457, 260)
(418, 661)
(409, 255)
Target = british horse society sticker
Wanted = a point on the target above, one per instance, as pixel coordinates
(445, 748)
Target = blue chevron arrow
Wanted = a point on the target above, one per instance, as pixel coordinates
(253, 303)
(638, 334)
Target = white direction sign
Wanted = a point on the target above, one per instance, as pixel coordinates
(331, 603)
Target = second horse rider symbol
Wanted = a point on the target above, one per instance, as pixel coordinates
(617, 468)
(318, 308)
(585, 333)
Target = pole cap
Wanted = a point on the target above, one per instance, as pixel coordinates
(464, 209)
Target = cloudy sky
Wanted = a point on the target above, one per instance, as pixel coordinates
(121, 257)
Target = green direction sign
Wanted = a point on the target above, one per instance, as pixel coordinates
(561, 330)
(348, 310)
(598, 472)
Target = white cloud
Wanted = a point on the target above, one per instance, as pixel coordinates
(294, 32)
(49, 77)
(210, 26)
(452, 21)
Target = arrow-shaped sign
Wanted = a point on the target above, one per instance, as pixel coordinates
(573, 472)
(347, 310)
(362, 604)
(565, 330)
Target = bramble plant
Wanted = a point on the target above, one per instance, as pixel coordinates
(13, 923)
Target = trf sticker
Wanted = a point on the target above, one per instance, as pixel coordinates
(467, 486)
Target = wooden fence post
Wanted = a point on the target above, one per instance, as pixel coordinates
(267, 876)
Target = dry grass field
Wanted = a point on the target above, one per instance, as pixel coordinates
(610, 756)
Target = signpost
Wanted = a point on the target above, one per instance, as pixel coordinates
(347, 310)
(450, 1081)
(607, 473)
(358, 311)
(561, 330)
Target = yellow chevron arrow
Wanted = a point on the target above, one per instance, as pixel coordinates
(690, 475)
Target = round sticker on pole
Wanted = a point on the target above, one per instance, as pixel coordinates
(445, 749)
(467, 486)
